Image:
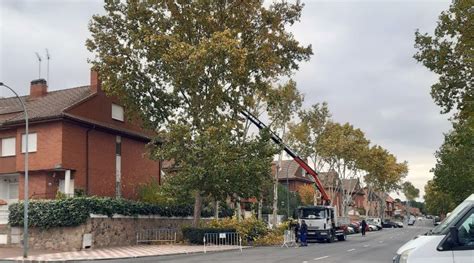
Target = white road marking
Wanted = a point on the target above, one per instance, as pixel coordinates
(366, 245)
(351, 250)
(381, 241)
(321, 258)
(305, 261)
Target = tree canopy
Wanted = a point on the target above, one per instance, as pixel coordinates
(410, 191)
(187, 68)
(450, 54)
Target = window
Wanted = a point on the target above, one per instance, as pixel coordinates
(117, 112)
(8, 146)
(31, 142)
(466, 231)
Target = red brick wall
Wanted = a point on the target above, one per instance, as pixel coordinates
(41, 185)
(137, 168)
(49, 144)
(7, 164)
(102, 164)
(99, 108)
(74, 152)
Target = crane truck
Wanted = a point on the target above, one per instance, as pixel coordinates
(322, 220)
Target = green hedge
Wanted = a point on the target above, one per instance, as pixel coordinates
(75, 211)
(195, 235)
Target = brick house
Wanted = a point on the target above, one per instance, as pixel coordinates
(79, 141)
(292, 171)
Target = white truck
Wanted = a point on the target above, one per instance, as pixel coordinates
(451, 241)
(323, 223)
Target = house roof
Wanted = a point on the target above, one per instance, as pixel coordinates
(293, 170)
(350, 184)
(329, 178)
(53, 104)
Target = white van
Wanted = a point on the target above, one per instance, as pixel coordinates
(451, 241)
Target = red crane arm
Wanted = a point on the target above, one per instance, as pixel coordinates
(290, 152)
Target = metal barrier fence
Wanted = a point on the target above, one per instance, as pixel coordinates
(289, 238)
(229, 239)
(157, 235)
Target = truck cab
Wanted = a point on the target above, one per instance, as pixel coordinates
(322, 223)
(451, 241)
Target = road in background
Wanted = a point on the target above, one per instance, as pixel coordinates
(379, 246)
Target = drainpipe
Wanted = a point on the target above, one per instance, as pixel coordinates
(87, 159)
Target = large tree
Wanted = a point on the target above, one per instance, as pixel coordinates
(283, 102)
(410, 192)
(450, 54)
(185, 65)
(454, 170)
(437, 202)
(384, 173)
(343, 148)
(304, 135)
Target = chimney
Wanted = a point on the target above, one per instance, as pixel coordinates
(38, 88)
(95, 82)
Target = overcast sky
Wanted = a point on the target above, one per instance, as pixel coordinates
(362, 64)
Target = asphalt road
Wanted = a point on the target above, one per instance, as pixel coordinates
(378, 246)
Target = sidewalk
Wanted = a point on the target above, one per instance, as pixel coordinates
(114, 253)
(18, 252)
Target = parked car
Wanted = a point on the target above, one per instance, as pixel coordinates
(373, 227)
(375, 221)
(350, 230)
(399, 224)
(389, 224)
(411, 221)
(355, 226)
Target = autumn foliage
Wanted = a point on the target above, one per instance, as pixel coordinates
(307, 193)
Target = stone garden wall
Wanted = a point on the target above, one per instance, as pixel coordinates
(106, 232)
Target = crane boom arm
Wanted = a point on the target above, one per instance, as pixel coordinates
(290, 152)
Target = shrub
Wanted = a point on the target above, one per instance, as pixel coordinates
(272, 238)
(75, 211)
(249, 229)
(195, 235)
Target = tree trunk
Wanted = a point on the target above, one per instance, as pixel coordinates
(275, 197)
(259, 209)
(239, 210)
(197, 208)
(216, 211)
(382, 209)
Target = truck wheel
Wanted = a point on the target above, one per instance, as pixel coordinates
(329, 240)
(342, 237)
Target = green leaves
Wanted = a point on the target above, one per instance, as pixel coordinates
(75, 211)
(410, 191)
(450, 54)
(163, 57)
(454, 170)
(384, 173)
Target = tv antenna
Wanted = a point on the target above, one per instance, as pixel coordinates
(39, 64)
(48, 57)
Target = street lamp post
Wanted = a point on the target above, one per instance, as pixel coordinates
(25, 216)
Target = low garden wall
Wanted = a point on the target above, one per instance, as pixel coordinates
(63, 224)
(105, 232)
